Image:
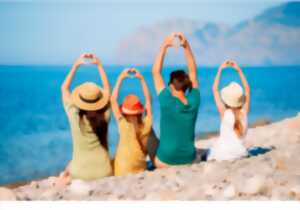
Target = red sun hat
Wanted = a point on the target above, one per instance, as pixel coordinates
(132, 105)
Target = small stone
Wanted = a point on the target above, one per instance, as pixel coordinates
(80, 188)
(295, 191)
(252, 185)
(229, 192)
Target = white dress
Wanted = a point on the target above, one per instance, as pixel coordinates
(229, 146)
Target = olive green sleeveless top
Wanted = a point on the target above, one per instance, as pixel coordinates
(90, 159)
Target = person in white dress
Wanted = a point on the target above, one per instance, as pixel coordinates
(233, 106)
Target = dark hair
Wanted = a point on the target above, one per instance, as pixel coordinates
(98, 123)
(181, 80)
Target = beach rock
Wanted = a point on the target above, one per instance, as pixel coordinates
(295, 192)
(229, 192)
(80, 188)
(252, 185)
(7, 194)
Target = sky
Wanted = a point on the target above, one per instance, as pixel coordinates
(47, 32)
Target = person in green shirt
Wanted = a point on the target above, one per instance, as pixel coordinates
(179, 103)
(87, 109)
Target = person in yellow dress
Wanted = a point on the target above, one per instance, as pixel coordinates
(134, 124)
(87, 109)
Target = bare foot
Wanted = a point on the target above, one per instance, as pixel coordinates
(64, 179)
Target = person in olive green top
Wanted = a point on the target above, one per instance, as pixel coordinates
(135, 125)
(179, 103)
(87, 109)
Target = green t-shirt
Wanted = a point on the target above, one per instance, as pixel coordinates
(177, 127)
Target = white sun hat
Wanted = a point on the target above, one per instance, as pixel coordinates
(233, 95)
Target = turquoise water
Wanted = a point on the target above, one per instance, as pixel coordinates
(34, 133)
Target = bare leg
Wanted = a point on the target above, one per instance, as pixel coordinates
(159, 164)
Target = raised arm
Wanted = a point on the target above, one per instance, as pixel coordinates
(219, 103)
(148, 102)
(245, 84)
(191, 63)
(157, 67)
(65, 87)
(115, 94)
(94, 60)
(103, 76)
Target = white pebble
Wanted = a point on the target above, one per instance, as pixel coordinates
(229, 192)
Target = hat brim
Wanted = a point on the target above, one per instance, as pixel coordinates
(131, 112)
(102, 102)
(233, 103)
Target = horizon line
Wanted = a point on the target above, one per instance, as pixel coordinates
(148, 65)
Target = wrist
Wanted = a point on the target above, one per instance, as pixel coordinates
(76, 65)
(98, 64)
(186, 45)
(238, 69)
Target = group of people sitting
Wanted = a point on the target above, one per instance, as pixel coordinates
(88, 109)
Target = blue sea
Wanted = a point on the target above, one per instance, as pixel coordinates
(35, 139)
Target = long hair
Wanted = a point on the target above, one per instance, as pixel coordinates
(98, 123)
(238, 126)
(138, 130)
(139, 121)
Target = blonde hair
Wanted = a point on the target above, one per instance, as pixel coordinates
(238, 126)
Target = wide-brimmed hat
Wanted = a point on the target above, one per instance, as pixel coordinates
(132, 105)
(90, 97)
(233, 95)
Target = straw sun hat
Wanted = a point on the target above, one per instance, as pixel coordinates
(90, 97)
(233, 95)
(132, 105)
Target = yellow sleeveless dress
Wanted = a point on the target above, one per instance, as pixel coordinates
(130, 158)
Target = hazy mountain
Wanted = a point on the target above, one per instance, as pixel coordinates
(271, 38)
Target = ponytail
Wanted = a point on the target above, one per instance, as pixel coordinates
(238, 126)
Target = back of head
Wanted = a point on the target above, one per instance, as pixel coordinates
(180, 80)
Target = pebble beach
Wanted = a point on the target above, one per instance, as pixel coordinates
(274, 175)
